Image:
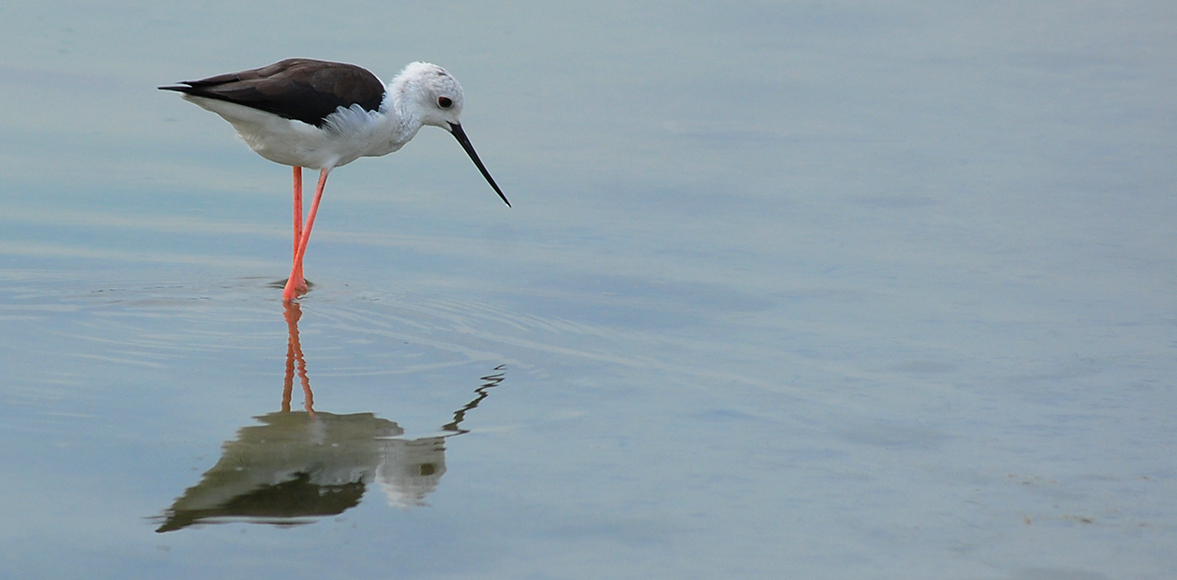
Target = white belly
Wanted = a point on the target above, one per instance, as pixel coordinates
(348, 134)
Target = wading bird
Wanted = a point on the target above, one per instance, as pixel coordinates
(317, 114)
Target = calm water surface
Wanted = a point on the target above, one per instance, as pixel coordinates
(789, 290)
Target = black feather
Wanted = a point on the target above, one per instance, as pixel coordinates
(296, 88)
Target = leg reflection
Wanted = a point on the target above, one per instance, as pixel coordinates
(295, 361)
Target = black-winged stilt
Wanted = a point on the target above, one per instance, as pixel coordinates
(317, 114)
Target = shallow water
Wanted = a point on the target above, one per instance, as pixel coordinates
(787, 290)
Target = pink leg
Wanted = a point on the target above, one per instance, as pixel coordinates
(295, 284)
(297, 208)
(294, 289)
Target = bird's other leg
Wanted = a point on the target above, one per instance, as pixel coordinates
(296, 284)
(291, 290)
(297, 209)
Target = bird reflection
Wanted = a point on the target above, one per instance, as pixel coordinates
(296, 466)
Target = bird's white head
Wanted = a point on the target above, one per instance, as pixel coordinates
(425, 94)
(430, 94)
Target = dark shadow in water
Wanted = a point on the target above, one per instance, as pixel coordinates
(297, 466)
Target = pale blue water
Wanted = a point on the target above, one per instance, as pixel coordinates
(787, 290)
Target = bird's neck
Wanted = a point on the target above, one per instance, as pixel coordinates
(403, 117)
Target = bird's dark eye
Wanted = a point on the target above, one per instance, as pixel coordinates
(445, 102)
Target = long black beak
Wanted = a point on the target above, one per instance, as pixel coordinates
(460, 135)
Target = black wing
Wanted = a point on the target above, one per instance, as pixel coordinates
(296, 88)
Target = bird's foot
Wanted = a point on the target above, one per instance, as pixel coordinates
(295, 286)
